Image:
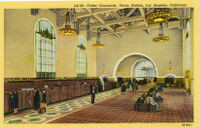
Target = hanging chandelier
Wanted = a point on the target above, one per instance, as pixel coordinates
(67, 31)
(145, 69)
(70, 18)
(161, 38)
(158, 16)
(98, 44)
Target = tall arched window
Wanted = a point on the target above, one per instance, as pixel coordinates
(81, 57)
(45, 50)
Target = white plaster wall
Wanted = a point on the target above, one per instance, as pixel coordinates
(139, 41)
(19, 46)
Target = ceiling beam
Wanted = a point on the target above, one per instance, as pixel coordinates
(149, 10)
(107, 26)
(102, 21)
(130, 12)
(143, 15)
(119, 17)
(135, 18)
(142, 12)
(81, 20)
(130, 19)
(65, 11)
(96, 12)
(172, 24)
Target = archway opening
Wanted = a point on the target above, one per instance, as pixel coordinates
(104, 78)
(169, 79)
(126, 65)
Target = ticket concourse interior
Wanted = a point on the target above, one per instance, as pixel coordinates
(98, 65)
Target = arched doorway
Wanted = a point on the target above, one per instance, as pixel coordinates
(169, 79)
(104, 78)
(119, 79)
(125, 64)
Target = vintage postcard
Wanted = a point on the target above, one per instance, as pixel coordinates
(100, 63)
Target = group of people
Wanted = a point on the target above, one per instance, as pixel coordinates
(132, 84)
(151, 97)
(99, 87)
(39, 98)
(142, 82)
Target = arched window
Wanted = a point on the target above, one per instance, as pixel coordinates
(45, 50)
(144, 68)
(81, 57)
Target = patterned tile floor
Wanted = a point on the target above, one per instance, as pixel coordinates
(177, 107)
(57, 110)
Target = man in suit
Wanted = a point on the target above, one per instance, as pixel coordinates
(93, 92)
(36, 100)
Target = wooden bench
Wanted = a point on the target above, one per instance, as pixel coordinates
(142, 107)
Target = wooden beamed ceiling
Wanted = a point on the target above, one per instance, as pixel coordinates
(116, 20)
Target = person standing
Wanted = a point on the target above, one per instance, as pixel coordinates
(93, 91)
(136, 86)
(155, 80)
(14, 101)
(100, 86)
(44, 96)
(129, 83)
(41, 96)
(123, 87)
(97, 88)
(43, 104)
(133, 86)
(36, 100)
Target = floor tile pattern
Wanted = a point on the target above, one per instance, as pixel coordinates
(177, 107)
(57, 110)
(112, 107)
